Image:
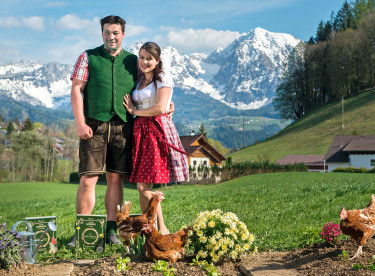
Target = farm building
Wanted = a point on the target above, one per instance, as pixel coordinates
(202, 153)
(314, 163)
(351, 151)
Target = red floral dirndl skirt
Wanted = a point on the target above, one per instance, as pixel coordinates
(151, 156)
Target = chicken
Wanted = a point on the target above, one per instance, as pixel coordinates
(130, 227)
(359, 224)
(164, 247)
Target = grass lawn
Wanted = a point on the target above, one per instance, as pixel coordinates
(277, 208)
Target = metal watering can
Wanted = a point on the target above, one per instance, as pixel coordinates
(30, 244)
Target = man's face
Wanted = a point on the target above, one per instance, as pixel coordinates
(112, 37)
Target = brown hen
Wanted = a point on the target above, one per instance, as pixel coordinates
(164, 247)
(359, 224)
(130, 227)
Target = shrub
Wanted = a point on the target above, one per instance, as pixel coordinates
(10, 248)
(216, 235)
(331, 232)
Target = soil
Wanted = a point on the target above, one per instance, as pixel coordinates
(320, 259)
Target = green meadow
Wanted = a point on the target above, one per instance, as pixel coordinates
(313, 133)
(280, 209)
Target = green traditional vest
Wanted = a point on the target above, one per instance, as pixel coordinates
(110, 78)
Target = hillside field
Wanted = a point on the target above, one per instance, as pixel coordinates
(278, 208)
(314, 133)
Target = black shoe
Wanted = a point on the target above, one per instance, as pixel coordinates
(72, 242)
(113, 239)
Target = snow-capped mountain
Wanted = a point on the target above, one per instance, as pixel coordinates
(243, 76)
(38, 84)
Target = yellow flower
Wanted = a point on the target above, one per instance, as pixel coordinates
(221, 253)
(196, 227)
(202, 254)
(202, 225)
(255, 249)
(78, 228)
(227, 231)
(215, 258)
(212, 240)
(231, 244)
(102, 235)
(251, 238)
(190, 232)
(200, 233)
(246, 246)
(211, 224)
(234, 236)
(233, 254)
(224, 247)
(216, 247)
(238, 246)
(203, 239)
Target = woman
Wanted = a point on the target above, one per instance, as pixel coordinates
(158, 155)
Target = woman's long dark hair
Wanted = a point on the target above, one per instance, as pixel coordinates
(154, 50)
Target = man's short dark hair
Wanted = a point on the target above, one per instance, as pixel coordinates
(112, 19)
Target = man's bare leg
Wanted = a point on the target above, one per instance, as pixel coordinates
(86, 194)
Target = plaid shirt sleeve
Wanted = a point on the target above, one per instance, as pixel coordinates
(81, 68)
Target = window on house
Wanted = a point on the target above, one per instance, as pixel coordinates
(372, 162)
(205, 163)
(194, 163)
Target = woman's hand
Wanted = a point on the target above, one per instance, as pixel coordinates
(129, 105)
(171, 111)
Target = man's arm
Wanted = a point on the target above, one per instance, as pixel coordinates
(83, 130)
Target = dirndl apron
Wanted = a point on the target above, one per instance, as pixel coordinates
(150, 154)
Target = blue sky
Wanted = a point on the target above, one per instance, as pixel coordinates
(60, 30)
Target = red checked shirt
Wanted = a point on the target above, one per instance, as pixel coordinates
(81, 68)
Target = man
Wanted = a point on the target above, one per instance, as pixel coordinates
(101, 78)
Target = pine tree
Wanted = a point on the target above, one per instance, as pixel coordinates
(10, 128)
(344, 18)
(202, 131)
(28, 125)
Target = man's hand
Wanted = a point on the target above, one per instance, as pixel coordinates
(84, 132)
(171, 111)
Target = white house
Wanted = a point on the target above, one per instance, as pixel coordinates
(351, 151)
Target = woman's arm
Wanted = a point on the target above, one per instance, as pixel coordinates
(159, 108)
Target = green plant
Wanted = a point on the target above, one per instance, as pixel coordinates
(344, 255)
(122, 263)
(211, 270)
(10, 248)
(310, 236)
(356, 266)
(216, 235)
(162, 266)
(138, 246)
(371, 266)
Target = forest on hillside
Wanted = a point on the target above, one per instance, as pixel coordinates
(337, 63)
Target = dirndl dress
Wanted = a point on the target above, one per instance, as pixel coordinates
(158, 155)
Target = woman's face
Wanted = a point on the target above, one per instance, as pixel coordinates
(147, 62)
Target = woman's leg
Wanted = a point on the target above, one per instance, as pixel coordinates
(145, 194)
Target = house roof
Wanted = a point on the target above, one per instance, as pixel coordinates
(341, 145)
(203, 144)
(307, 159)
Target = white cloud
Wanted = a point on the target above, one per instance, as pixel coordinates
(132, 30)
(73, 22)
(10, 22)
(34, 22)
(199, 40)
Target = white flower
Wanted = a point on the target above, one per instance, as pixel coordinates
(211, 224)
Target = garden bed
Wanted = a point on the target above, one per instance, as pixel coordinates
(319, 259)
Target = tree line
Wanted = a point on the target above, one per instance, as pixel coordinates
(338, 62)
(29, 153)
